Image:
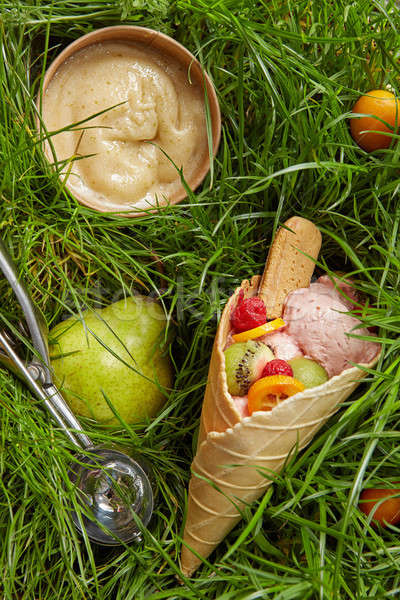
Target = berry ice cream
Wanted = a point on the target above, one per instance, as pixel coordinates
(318, 319)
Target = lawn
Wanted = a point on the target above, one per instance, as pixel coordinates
(287, 75)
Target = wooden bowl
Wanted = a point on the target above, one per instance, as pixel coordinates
(167, 46)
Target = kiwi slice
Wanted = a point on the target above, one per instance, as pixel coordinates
(244, 364)
(309, 372)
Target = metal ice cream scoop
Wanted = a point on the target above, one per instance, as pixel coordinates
(113, 489)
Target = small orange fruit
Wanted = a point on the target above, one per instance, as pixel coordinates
(365, 130)
(388, 510)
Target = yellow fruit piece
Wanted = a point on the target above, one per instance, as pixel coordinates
(266, 392)
(252, 334)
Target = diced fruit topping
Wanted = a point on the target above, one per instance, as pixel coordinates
(244, 364)
(253, 334)
(309, 372)
(249, 313)
(277, 367)
(267, 392)
(383, 503)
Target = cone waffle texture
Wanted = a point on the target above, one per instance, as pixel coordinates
(241, 456)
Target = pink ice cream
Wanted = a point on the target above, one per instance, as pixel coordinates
(282, 345)
(317, 319)
(241, 405)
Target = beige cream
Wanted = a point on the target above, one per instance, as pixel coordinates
(161, 114)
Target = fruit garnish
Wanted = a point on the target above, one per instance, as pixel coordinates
(308, 371)
(384, 503)
(267, 392)
(256, 332)
(249, 313)
(244, 364)
(277, 367)
(367, 131)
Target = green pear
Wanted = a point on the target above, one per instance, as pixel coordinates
(118, 352)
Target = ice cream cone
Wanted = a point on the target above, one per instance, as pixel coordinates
(236, 457)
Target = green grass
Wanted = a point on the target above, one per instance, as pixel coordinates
(287, 75)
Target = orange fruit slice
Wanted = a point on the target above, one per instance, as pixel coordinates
(252, 334)
(267, 392)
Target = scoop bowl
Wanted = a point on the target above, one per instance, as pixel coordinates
(115, 493)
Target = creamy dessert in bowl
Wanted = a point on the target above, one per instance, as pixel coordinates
(131, 104)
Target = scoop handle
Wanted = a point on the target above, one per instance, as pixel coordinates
(51, 398)
(36, 325)
(290, 263)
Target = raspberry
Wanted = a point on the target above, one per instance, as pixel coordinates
(248, 314)
(277, 367)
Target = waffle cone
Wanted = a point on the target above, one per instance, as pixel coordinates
(241, 456)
